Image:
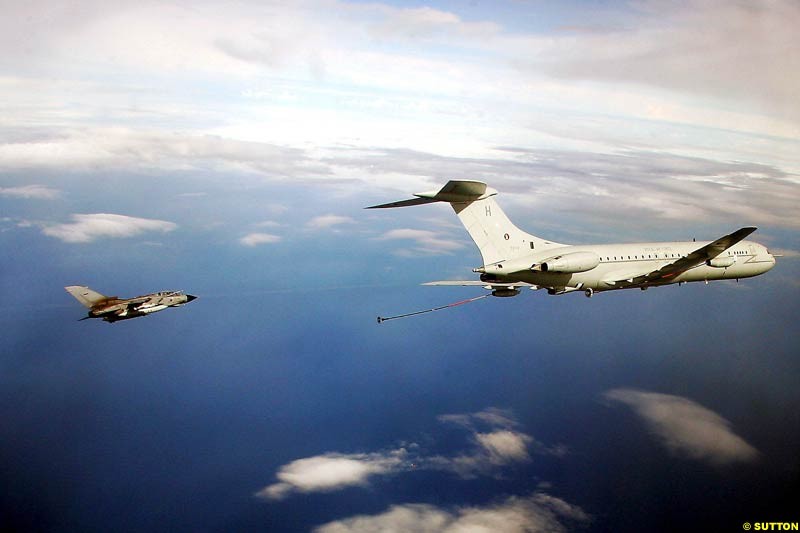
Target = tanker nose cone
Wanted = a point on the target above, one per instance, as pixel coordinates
(189, 298)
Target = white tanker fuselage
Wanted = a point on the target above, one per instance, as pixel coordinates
(618, 262)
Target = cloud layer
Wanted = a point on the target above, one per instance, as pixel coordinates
(686, 428)
(734, 51)
(87, 228)
(673, 111)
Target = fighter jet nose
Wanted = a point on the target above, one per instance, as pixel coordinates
(189, 298)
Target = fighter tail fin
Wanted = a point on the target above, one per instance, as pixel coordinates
(497, 238)
(86, 296)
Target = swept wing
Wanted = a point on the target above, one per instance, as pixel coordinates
(692, 260)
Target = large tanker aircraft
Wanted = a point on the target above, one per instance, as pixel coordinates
(514, 259)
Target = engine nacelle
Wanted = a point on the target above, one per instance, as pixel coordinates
(721, 262)
(570, 263)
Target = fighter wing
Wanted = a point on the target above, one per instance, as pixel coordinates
(694, 259)
(130, 302)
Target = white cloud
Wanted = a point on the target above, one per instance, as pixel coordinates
(331, 471)
(39, 192)
(536, 513)
(492, 416)
(328, 221)
(145, 149)
(87, 228)
(497, 443)
(427, 242)
(489, 451)
(495, 417)
(254, 239)
(505, 446)
(685, 427)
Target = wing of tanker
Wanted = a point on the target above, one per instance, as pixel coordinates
(692, 260)
(486, 285)
(498, 288)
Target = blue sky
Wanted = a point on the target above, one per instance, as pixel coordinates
(229, 149)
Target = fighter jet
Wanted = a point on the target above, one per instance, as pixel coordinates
(112, 308)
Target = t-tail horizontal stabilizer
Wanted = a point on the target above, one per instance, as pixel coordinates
(496, 237)
(455, 191)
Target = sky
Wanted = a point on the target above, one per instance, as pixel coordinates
(228, 150)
